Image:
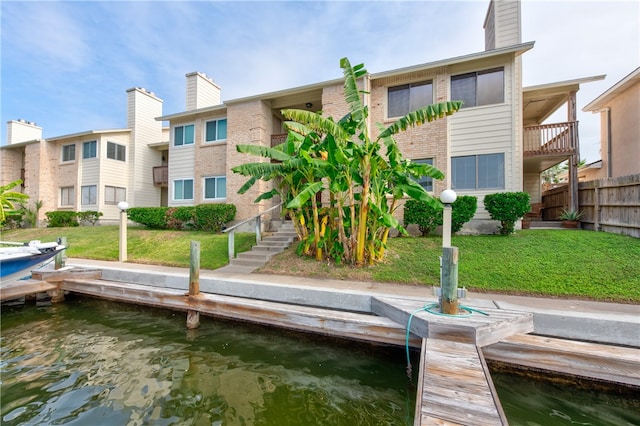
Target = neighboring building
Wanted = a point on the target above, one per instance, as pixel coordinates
(91, 170)
(619, 109)
(497, 142)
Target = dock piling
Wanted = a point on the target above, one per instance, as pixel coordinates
(193, 317)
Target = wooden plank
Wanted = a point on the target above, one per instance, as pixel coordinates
(324, 321)
(456, 387)
(22, 288)
(66, 273)
(589, 360)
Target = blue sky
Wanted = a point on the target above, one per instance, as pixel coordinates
(66, 64)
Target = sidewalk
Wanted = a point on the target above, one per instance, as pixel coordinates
(500, 300)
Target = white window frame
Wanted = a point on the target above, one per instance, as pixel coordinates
(182, 142)
(215, 183)
(89, 195)
(413, 104)
(95, 150)
(181, 182)
(119, 150)
(114, 194)
(67, 150)
(217, 121)
(67, 196)
(478, 173)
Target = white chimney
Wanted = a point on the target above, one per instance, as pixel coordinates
(22, 131)
(201, 91)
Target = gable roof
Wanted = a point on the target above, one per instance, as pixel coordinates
(602, 100)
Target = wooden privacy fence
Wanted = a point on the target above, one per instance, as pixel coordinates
(611, 205)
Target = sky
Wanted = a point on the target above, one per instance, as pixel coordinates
(66, 65)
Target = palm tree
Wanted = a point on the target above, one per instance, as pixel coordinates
(339, 157)
(9, 199)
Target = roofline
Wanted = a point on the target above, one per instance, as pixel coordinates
(86, 133)
(597, 104)
(517, 48)
(19, 144)
(564, 83)
(182, 114)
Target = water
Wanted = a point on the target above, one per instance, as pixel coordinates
(531, 402)
(92, 362)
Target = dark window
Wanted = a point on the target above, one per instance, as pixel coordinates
(478, 171)
(408, 97)
(478, 88)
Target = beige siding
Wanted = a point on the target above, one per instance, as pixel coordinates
(201, 91)
(625, 132)
(507, 27)
(181, 167)
(22, 131)
(143, 107)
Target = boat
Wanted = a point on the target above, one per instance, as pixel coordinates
(19, 259)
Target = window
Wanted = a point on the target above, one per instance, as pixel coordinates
(67, 196)
(216, 130)
(409, 97)
(116, 151)
(69, 152)
(114, 194)
(425, 181)
(89, 195)
(183, 135)
(478, 171)
(183, 189)
(215, 187)
(90, 149)
(478, 88)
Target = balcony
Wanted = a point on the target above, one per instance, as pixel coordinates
(549, 144)
(161, 176)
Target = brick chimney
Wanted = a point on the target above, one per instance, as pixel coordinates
(201, 91)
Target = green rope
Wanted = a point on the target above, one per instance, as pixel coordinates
(429, 308)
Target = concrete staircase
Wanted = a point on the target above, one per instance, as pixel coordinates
(261, 253)
(546, 224)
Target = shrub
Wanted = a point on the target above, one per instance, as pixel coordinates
(151, 217)
(90, 216)
(462, 211)
(422, 214)
(212, 217)
(428, 218)
(507, 207)
(180, 217)
(58, 219)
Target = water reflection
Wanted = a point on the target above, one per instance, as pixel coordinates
(93, 362)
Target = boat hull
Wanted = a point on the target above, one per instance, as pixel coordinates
(17, 262)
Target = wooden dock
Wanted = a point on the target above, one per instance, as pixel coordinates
(455, 386)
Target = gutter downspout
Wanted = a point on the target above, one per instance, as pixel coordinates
(609, 148)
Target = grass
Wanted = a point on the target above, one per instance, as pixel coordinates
(158, 247)
(551, 263)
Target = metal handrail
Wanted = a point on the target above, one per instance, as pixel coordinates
(232, 230)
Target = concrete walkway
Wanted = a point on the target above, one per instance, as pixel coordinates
(612, 323)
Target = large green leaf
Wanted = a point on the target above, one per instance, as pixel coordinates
(421, 116)
(352, 93)
(309, 191)
(263, 151)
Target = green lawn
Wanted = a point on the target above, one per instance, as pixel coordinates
(552, 263)
(170, 248)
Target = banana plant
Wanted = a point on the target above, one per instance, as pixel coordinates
(339, 157)
(9, 199)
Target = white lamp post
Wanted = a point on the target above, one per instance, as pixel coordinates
(448, 196)
(123, 206)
